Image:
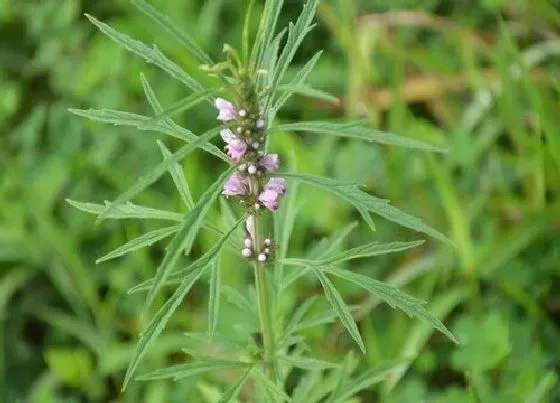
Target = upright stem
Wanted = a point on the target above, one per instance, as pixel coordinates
(267, 329)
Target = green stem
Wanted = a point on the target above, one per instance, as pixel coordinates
(267, 330)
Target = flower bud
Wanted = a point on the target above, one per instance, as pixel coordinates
(246, 252)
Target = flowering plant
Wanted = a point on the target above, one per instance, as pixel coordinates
(253, 82)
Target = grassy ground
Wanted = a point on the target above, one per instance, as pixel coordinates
(480, 77)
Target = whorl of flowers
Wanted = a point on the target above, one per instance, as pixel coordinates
(252, 183)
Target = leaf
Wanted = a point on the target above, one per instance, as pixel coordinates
(178, 178)
(151, 55)
(358, 132)
(296, 33)
(394, 297)
(298, 80)
(235, 388)
(128, 210)
(365, 380)
(308, 91)
(214, 299)
(548, 381)
(298, 316)
(270, 60)
(167, 127)
(274, 390)
(366, 203)
(327, 246)
(369, 250)
(159, 320)
(185, 237)
(158, 171)
(337, 303)
(147, 239)
(167, 24)
(189, 369)
(311, 364)
(265, 33)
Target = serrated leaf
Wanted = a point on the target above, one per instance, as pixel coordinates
(230, 394)
(151, 55)
(368, 250)
(147, 239)
(275, 391)
(178, 177)
(327, 246)
(298, 316)
(158, 171)
(338, 305)
(298, 80)
(366, 203)
(189, 369)
(185, 237)
(311, 364)
(159, 320)
(265, 32)
(413, 307)
(307, 91)
(270, 60)
(128, 210)
(358, 132)
(214, 298)
(296, 34)
(364, 381)
(167, 24)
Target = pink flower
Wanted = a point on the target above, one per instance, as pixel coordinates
(236, 185)
(226, 109)
(273, 191)
(270, 162)
(236, 147)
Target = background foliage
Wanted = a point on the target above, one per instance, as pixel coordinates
(481, 77)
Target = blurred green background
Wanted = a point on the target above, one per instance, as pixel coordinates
(480, 76)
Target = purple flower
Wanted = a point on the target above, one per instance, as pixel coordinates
(236, 147)
(270, 162)
(236, 185)
(226, 109)
(272, 192)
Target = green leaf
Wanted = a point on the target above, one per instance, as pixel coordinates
(270, 60)
(296, 34)
(371, 249)
(189, 369)
(158, 171)
(394, 297)
(545, 385)
(297, 317)
(151, 55)
(265, 33)
(308, 91)
(326, 246)
(185, 237)
(214, 299)
(158, 322)
(358, 132)
(178, 178)
(337, 303)
(311, 364)
(128, 210)
(230, 394)
(147, 239)
(366, 203)
(298, 80)
(364, 381)
(275, 391)
(167, 24)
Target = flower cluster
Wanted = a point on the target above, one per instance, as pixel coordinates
(252, 183)
(243, 148)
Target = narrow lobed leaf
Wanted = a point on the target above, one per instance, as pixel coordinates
(147, 239)
(337, 303)
(168, 25)
(311, 364)
(358, 132)
(190, 369)
(151, 55)
(230, 394)
(128, 210)
(185, 237)
(178, 177)
(160, 319)
(214, 298)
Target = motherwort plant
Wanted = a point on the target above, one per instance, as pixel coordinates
(250, 91)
